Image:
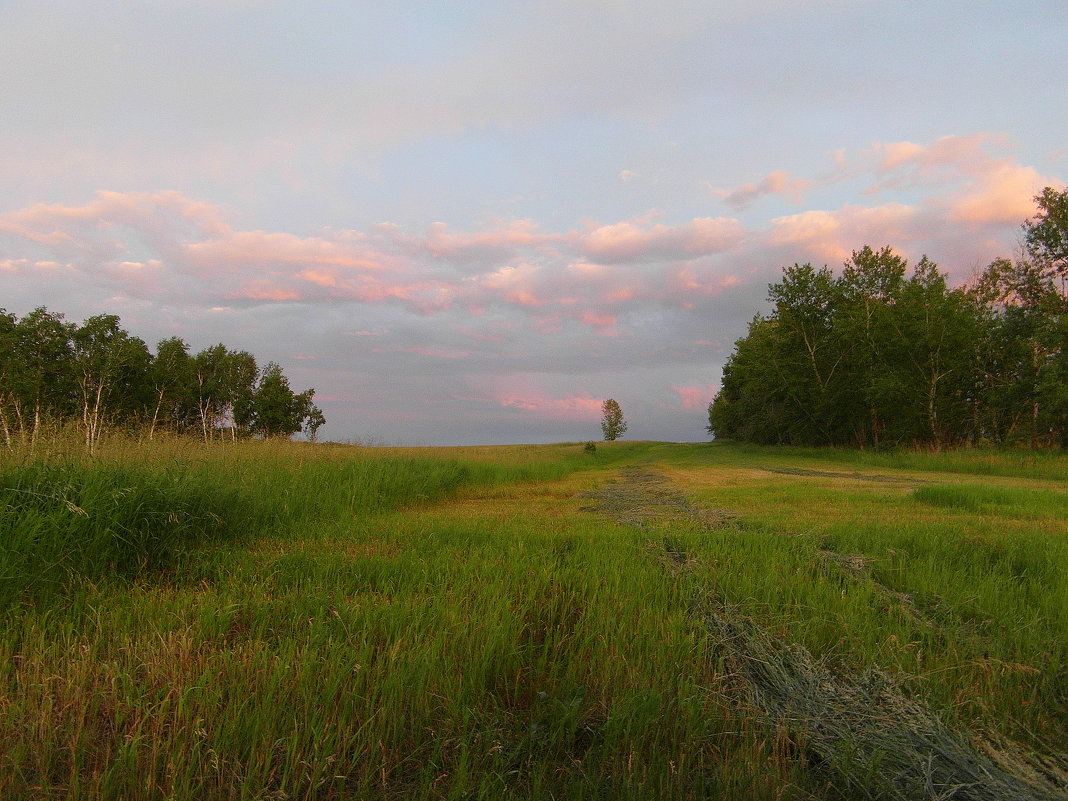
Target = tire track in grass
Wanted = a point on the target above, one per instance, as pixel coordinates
(861, 729)
(880, 477)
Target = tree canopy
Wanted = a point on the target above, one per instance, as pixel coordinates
(613, 426)
(99, 377)
(879, 354)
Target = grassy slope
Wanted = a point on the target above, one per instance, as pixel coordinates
(431, 623)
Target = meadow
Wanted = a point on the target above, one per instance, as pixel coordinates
(276, 620)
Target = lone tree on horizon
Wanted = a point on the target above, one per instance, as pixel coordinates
(612, 423)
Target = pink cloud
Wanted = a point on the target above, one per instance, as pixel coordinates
(954, 153)
(156, 214)
(629, 242)
(577, 408)
(584, 270)
(494, 337)
(438, 353)
(604, 324)
(346, 249)
(507, 238)
(972, 186)
(774, 183)
(831, 236)
(686, 282)
(266, 293)
(1005, 194)
(696, 396)
(515, 283)
(320, 277)
(622, 294)
(965, 206)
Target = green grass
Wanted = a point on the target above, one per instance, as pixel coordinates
(1003, 501)
(1018, 463)
(269, 620)
(63, 521)
(961, 590)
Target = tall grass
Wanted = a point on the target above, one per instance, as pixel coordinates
(959, 588)
(135, 508)
(1010, 501)
(386, 624)
(62, 520)
(497, 647)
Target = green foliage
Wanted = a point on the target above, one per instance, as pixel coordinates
(37, 373)
(225, 384)
(274, 410)
(111, 370)
(1026, 368)
(100, 378)
(170, 377)
(1046, 234)
(613, 426)
(878, 357)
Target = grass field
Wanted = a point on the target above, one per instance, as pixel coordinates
(650, 621)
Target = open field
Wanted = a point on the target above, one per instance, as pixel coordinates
(650, 621)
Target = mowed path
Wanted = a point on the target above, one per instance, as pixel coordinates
(862, 728)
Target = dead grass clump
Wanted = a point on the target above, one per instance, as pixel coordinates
(867, 732)
(645, 499)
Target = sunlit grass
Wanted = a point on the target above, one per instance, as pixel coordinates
(1022, 463)
(961, 587)
(1004, 501)
(395, 623)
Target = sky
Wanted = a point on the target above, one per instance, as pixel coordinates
(472, 222)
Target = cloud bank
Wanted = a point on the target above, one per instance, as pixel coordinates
(573, 310)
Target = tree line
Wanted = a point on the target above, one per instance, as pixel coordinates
(99, 377)
(879, 354)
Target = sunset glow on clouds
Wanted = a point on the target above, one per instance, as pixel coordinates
(579, 408)
(185, 251)
(474, 224)
(774, 183)
(695, 397)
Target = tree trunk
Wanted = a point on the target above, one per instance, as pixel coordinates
(19, 419)
(7, 429)
(203, 409)
(932, 410)
(155, 416)
(95, 417)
